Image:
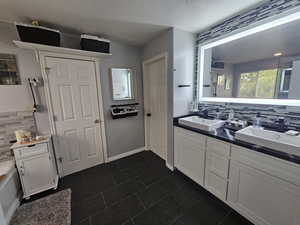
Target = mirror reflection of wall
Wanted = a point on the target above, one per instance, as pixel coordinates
(9, 74)
(265, 65)
(122, 83)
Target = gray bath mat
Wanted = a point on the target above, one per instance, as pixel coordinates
(54, 209)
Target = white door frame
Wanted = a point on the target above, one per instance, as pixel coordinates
(42, 56)
(164, 56)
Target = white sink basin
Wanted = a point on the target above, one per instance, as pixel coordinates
(200, 123)
(270, 139)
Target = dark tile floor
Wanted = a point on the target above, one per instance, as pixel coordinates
(140, 190)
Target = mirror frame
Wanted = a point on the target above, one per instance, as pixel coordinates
(243, 32)
(134, 88)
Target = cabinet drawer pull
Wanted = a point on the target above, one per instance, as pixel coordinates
(22, 171)
(30, 145)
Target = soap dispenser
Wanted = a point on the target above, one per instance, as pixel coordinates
(257, 120)
(218, 114)
(231, 115)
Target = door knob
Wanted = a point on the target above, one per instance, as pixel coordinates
(148, 114)
(97, 121)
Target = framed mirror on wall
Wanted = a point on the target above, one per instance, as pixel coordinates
(258, 65)
(9, 73)
(123, 84)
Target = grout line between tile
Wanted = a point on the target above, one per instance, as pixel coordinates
(105, 204)
(225, 217)
(140, 200)
(132, 221)
(150, 206)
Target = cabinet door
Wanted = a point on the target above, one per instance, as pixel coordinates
(217, 164)
(216, 171)
(216, 184)
(36, 173)
(190, 154)
(266, 199)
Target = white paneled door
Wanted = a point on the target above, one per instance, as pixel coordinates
(76, 116)
(155, 99)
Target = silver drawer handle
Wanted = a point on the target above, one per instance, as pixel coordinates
(29, 146)
(22, 171)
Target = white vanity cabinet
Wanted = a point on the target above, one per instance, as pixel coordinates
(190, 153)
(36, 167)
(263, 188)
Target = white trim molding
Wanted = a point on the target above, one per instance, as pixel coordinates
(172, 168)
(42, 55)
(123, 155)
(48, 48)
(164, 56)
(271, 23)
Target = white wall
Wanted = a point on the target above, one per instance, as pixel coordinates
(123, 135)
(161, 44)
(184, 60)
(180, 48)
(207, 91)
(294, 92)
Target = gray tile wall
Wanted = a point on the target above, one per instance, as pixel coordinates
(269, 113)
(12, 121)
(266, 10)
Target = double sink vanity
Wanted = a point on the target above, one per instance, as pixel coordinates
(254, 170)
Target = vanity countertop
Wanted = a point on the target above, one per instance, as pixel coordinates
(21, 145)
(227, 135)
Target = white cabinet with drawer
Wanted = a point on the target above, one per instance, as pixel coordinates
(263, 188)
(190, 153)
(36, 167)
(217, 167)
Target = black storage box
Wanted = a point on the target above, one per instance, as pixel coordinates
(94, 44)
(38, 34)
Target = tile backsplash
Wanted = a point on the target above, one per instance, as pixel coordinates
(12, 121)
(265, 10)
(269, 113)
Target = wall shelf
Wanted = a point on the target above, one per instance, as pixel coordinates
(40, 47)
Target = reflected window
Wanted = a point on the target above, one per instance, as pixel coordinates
(259, 84)
(285, 80)
(221, 80)
(228, 84)
(9, 74)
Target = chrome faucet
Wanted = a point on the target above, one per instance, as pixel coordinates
(281, 123)
(204, 112)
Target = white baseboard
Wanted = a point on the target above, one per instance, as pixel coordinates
(169, 166)
(113, 158)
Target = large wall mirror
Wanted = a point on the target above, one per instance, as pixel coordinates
(259, 65)
(123, 83)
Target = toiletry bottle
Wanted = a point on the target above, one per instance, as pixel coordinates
(231, 115)
(257, 120)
